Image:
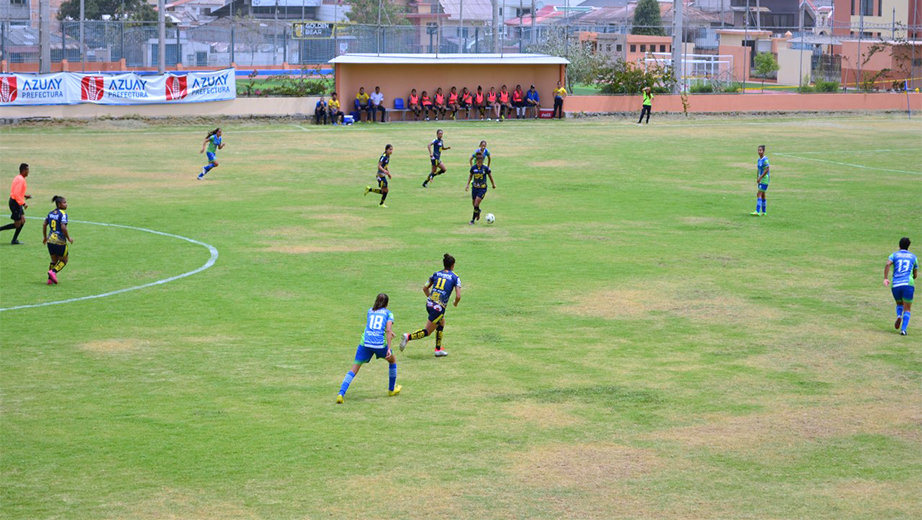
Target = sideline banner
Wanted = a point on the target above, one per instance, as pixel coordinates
(70, 88)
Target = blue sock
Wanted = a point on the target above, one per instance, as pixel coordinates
(899, 311)
(764, 206)
(905, 320)
(758, 205)
(392, 379)
(346, 381)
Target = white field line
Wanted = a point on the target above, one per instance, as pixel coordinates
(209, 263)
(918, 172)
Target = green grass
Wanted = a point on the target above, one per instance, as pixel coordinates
(630, 342)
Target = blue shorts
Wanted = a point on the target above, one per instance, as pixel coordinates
(382, 182)
(436, 311)
(478, 193)
(904, 293)
(210, 156)
(436, 161)
(763, 187)
(364, 354)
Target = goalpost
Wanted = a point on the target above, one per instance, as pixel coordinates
(716, 69)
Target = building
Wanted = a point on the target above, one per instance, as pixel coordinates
(878, 18)
(777, 16)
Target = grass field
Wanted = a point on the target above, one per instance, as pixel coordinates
(630, 342)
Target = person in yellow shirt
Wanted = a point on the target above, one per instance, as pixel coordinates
(647, 105)
(362, 104)
(559, 94)
(333, 107)
(18, 204)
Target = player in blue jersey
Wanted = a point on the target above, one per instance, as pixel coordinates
(383, 175)
(478, 177)
(762, 181)
(435, 157)
(905, 267)
(375, 342)
(482, 150)
(438, 291)
(57, 238)
(213, 142)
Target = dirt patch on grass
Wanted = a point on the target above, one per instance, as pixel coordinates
(584, 466)
(171, 504)
(545, 415)
(869, 497)
(114, 346)
(306, 249)
(707, 221)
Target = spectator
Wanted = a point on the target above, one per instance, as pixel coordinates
(505, 103)
(377, 104)
(333, 107)
(559, 94)
(427, 104)
(413, 104)
(466, 101)
(479, 102)
(518, 101)
(532, 100)
(439, 103)
(320, 111)
(362, 104)
(493, 101)
(453, 102)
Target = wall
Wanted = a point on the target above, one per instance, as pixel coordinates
(397, 80)
(721, 103)
(740, 60)
(791, 69)
(236, 107)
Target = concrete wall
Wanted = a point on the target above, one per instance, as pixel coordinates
(397, 80)
(236, 107)
(791, 69)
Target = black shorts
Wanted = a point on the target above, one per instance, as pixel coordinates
(435, 310)
(57, 249)
(382, 182)
(436, 161)
(462, 104)
(478, 193)
(16, 211)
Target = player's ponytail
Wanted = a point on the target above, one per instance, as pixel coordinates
(213, 132)
(380, 302)
(56, 199)
(448, 261)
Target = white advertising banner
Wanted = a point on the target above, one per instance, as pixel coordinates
(70, 88)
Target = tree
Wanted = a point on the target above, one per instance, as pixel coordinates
(766, 64)
(647, 19)
(366, 12)
(135, 10)
(584, 63)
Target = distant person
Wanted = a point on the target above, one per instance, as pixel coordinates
(320, 111)
(518, 101)
(363, 104)
(382, 175)
(480, 102)
(439, 103)
(467, 99)
(762, 179)
(414, 105)
(335, 112)
(493, 101)
(435, 157)
(559, 94)
(905, 268)
(18, 204)
(505, 103)
(482, 150)
(57, 239)
(647, 104)
(453, 104)
(376, 340)
(377, 104)
(478, 176)
(532, 100)
(214, 143)
(427, 104)
(438, 290)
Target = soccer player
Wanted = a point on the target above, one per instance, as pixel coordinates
(213, 140)
(414, 105)
(479, 102)
(559, 93)
(437, 290)
(518, 101)
(905, 268)
(427, 105)
(18, 204)
(375, 342)
(493, 102)
(383, 175)
(453, 102)
(762, 182)
(439, 103)
(57, 239)
(435, 157)
(505, 104)
(483, 151)
(466, 100)
(479, 174)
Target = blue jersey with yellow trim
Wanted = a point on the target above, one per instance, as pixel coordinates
(437, 145)
(376, 327)
(443, 283)
(479, 176)
(903, 264)
(54, 220)
(383, 161)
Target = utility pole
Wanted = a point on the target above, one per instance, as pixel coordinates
(533, 36)
(803, 5)
(758, 15)
(495, 24)
(378, 31)
(161, 43)
(82, 37)
(860, 34)
(44, 36)
(677, 44)
(275, 34)
(745, 40)
(463, 33)
(233, 26)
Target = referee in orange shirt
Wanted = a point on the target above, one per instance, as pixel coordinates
(18, 204)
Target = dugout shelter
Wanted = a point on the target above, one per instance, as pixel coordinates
(397, 74)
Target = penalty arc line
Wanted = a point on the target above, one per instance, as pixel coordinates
(211, 261)
(848, 164)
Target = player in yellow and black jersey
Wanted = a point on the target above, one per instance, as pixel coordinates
(57, 238)
(382, 175)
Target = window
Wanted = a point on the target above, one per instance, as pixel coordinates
(853, 7)
(867, 7)
(643, 48)
(662, 48)
(618, 47)
(608, 48)
(633, 48)
(18, 2)
(880, 7)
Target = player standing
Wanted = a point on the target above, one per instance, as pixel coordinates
(762, 181)
(905, 268)
(437, 290)
(18, 204)
(435, 157)
(57, 239)
(213, 141)
(383, 175)
(479, 174)
(482, 150)
(375, 342)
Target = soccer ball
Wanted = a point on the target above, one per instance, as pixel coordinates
(490, 218)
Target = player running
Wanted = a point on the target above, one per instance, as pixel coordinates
(213, 141)
(479, 174)
(762, 181)
(57, 239)
(18, 197)
(904, 264)
(437, 290)
(383, 175)
(482, 150)
(435, 156)
(375, 342)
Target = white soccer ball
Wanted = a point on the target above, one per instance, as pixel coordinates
(490, 218)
